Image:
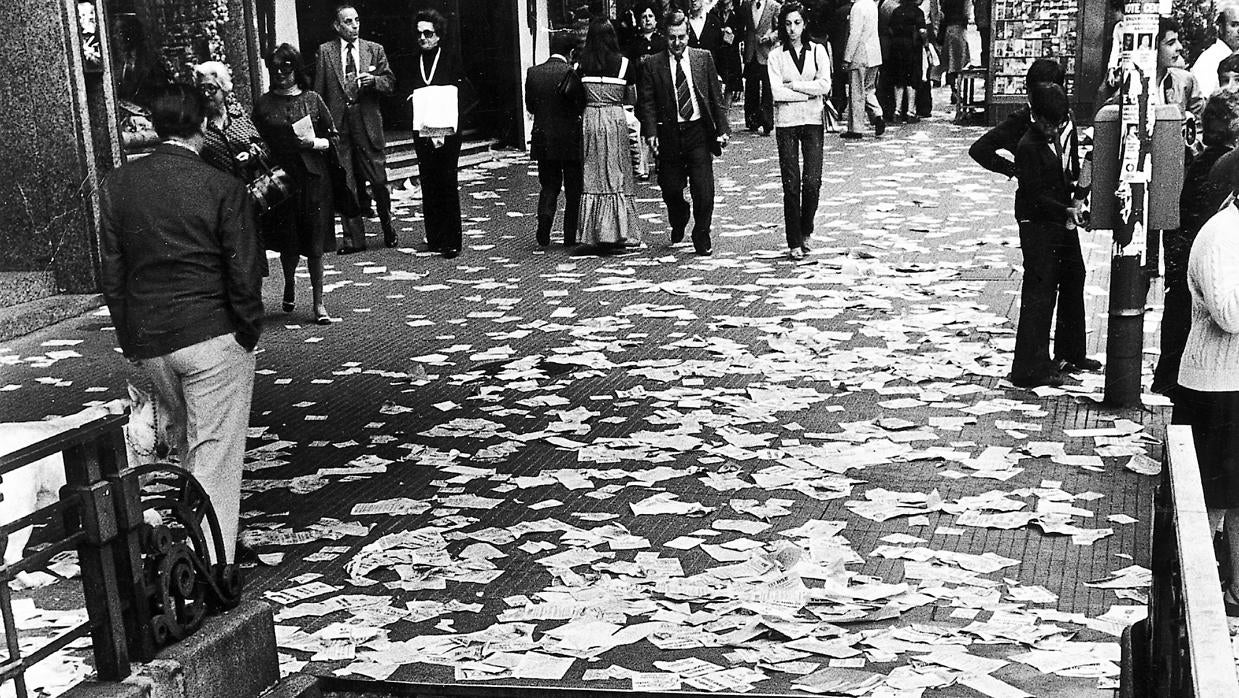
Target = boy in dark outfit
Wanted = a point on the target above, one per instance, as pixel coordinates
(1048, 208)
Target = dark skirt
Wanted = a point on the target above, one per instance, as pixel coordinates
(905, 62)
(1214, 418)
(303, 224)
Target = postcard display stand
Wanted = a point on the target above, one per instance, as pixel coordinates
(1023, 31)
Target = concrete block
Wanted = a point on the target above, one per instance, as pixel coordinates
(107, 689)
(24, 318)
(232, 655)
(296, 686)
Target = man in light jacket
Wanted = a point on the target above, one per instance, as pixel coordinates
(863, 59)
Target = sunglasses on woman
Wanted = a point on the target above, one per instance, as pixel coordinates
(208, 88)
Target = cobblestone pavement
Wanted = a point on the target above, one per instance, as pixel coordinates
(517, 411)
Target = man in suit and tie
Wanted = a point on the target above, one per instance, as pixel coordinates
(556, 139)
(351, 74)
(180, 271)
(863, 59)
(684, 120)
(759, 17)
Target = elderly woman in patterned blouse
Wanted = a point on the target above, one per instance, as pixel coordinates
(230, 135)
(232, 143)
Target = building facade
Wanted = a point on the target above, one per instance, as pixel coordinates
(74, 96)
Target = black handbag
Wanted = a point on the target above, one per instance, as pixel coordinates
(268, 184)
(571, 90)
(271, 184)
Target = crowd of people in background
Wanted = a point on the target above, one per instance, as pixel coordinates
(797, 66)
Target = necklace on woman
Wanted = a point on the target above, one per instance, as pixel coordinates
(434, 67)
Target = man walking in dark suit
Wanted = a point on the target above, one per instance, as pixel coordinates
(350, 75)
(556, 139)
(684, 120)
(759, 18)
(180, 273)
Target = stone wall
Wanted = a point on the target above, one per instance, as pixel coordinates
(44, 178)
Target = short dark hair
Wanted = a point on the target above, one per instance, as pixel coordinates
(1229, 64)
(287, 53)
(674, 18)
(431, 15)
(563, 41)
(177, 111)
(1165, 25)
(340, 7)
(1045, 70)
(1219, 121)
(1048, 101)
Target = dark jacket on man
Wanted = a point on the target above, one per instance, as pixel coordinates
(329, 84)
(179, 253)
(657, 108)
(1005, 136)
(556, 120)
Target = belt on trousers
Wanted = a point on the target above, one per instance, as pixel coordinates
(688, 124)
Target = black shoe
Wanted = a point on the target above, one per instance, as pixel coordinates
(390, 239)
(544, 238)
(677, 236)
(350, 250)
(450, 254)
(1077, 366)
(804, 245)
(851, 135)
(763, 131)
(570, 242)
(705, 251)
(1051, 378)
(879, 126)
(246, 556)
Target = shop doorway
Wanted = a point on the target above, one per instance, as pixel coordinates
(483, 31)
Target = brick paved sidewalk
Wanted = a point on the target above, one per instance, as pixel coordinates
(909, 284)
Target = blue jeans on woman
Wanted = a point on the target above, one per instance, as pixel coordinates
(801, 185)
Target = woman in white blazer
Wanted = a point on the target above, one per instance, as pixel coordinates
(800, 77)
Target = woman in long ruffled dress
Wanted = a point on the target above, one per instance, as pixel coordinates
(608, 217)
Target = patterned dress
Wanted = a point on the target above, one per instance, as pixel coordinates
(608, 197)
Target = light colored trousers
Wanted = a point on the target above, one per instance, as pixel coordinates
(863, 95)
(208, 387)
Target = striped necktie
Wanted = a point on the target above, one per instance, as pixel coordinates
(682, 98)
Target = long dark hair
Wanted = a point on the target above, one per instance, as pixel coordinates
(784, 11)
(601, 52)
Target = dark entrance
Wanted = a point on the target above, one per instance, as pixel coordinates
(483, 31)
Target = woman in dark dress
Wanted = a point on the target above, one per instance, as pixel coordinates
(908, 32)
(304, 224)
(438, 148)
(727, 56)
(646, 40)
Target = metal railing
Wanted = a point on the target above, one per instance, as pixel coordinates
(1183, 648)
(145, 585)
